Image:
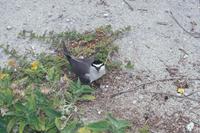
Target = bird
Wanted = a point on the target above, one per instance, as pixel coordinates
(88, 70)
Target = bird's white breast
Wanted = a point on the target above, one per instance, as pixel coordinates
(94, 74)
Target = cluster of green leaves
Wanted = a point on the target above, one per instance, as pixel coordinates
(33, 110)
(78, 92)
(36, 97)
(99, 42)
(107, 125)
(129, 65)
(110, 125)
(33, 113)
(55, 38)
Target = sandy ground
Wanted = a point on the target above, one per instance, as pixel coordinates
(157, 45)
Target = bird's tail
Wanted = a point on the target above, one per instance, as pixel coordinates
(66, 52)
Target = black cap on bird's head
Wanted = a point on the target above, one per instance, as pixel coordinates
(97, 64)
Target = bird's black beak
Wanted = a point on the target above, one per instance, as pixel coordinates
(98, 68)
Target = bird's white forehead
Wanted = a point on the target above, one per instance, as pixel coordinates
(98, 65)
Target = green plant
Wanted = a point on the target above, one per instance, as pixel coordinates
(129, 65)
(36, 94)
(9, 51)
(33, 112)
(99, 42)
(144, 129)
(110, 124)
(79, 92)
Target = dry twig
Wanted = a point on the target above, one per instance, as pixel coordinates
(151, 82)
(129, 6)
(193, 34)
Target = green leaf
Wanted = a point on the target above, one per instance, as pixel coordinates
(19, 107)
(22, 125)
(99, 126)
(51, 113)
(33, 121)
(58, 123)
(53, 74)
(11, 124)
(129, 65)
(88, 97)
(31, 103)
(144, 129)
(10, 113)
(42, 124)
(71, 127)
(118, 125)
(36, 123)
(52, 130)
(6, 96)
(2, 126)
(76, 89)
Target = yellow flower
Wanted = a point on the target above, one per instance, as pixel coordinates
(84, 130)
(3, 75)
(180, 91)
(34, 65)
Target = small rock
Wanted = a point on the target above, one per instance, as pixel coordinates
(190, 126)
(118, 78)
(60, 16)
(141, 97)
(64, 10)
(24, 23)
(130, 42)
(130, 75)
(68, 20)
(81, 57)
(18, 6)
(105, 15)
(99, 112)
(50, 15)
(185, 56)
(134, 101)
(8, 27)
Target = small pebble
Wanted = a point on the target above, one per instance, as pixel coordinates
(50, 15)
(134, 102)
(60, 16)
(130, 75)
(141, 97)
(99, 112)
(68, 20)
(190, 126)
(105, 15)
(8, 27)
(18, 6)
(130, 42)
(81, 57)
(185, 56)
(118, 78)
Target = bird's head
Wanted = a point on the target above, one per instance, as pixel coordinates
(98, 65)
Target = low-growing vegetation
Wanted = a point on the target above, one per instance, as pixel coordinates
(37, 94)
